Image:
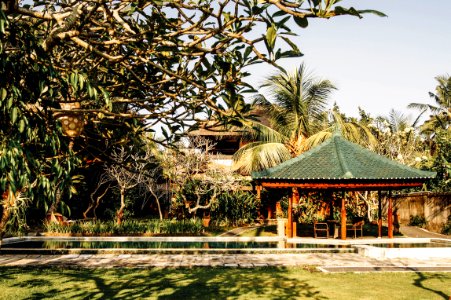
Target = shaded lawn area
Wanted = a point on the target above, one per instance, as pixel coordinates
(217, 283)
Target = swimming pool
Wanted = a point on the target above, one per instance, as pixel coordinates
(376, 248)
(149, 245)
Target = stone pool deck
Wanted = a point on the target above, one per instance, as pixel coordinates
(326, 262)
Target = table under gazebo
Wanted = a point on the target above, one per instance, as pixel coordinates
(340, 165)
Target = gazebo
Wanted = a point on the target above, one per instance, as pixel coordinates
(340, 165)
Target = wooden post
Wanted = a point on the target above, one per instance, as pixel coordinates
(343, 217)
(295, 202)
(259, 198)
(290, 217)
(295, 196)
(379, 215)
(390, 216)
(269, 210)
(331, 205)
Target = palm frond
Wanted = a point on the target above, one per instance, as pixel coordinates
(263, 133)
(258, 156)
(316, 139)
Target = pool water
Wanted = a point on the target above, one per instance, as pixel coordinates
(67, 244)
(137, 245)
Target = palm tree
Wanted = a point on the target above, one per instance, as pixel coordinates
(296, 120)
(440, 118)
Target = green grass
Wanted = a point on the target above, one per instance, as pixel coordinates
(269, 230)
(217, 283)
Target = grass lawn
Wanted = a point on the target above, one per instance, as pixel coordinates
(217, 283)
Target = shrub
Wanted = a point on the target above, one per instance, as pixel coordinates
(447, 227)
(235, 208)
(419, 221)
(128, 227)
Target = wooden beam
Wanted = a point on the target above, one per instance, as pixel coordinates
(339, 186)
(343, 217)
(390, 216)
(379, 214)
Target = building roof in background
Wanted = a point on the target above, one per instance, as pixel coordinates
(213, 128)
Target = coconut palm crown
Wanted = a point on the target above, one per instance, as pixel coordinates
(440, 118)
(294, 120)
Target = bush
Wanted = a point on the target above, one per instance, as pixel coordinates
(235, 208)
(128, 227)
(447, 227)
(419, 221)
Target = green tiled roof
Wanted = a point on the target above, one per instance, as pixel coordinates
(339, 159)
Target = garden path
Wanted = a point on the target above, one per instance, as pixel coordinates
(326, 262)
(416, 232)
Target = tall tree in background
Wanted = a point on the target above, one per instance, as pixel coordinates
(297, 118)
(440, 118)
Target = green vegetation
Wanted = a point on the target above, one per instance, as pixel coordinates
(86, 78)
(296, 111)
(223, 283)
(269, 230)
(419, 221)
(128, 227)
(89, 84)
(447, 227)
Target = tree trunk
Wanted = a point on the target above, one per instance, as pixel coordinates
(95, 203)
(120, 212)
(158, 203)
(55, 204)
(159, 209)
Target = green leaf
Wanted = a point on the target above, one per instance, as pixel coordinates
(9, 103)
(279, 14)
(372, 11)
(3, 94)
(81, 81)
(271, 34)
(247, 52)
(21, 125)
(14, 115)
(293, 46)
(347, 11)
(302, 22)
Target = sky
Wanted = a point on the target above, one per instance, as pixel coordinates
(377, 63)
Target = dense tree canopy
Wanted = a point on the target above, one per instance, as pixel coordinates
(99, 63)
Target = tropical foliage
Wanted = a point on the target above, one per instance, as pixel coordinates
(297, 120)
(98, 64)
(440, 117)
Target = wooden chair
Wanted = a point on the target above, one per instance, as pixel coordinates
(355, 226)
(320, 227)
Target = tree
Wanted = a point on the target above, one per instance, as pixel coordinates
(397, 138)
(165, 62)
(196, 179)
(440, 117)
(127, 172)
(298, 120)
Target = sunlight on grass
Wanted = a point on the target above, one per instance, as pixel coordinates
(219, 283)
